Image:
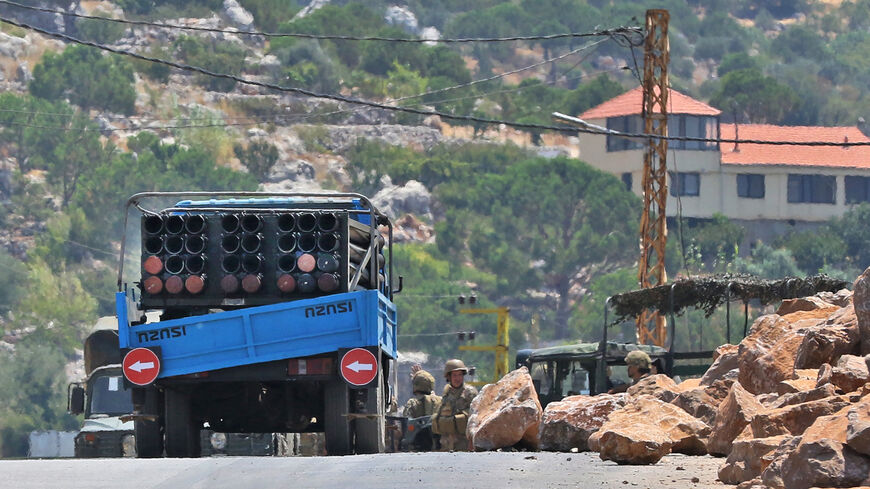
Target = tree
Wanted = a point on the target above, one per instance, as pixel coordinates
(223, 57)
(543, 223)
(101, 81)
(767, 262)
(757, 98)
(590, 94)
(12, 271)
(258, 157)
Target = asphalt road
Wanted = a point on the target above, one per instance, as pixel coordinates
(401, 470)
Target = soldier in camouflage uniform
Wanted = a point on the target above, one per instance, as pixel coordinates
(451, 417)
(424, 401)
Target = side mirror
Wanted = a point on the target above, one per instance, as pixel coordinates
(76, 399)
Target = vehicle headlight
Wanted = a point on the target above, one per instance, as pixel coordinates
(128, 445)
(218, 441)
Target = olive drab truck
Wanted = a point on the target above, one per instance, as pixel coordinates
(275, 315)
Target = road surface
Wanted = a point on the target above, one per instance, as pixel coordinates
(400, 470)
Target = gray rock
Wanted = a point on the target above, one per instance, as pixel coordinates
(293, 171)
(237, 14)
(12, 46)
(412, 198)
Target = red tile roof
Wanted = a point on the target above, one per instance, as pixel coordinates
(631, 103)
(818, 156)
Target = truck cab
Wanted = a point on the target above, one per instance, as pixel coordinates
(103, 398)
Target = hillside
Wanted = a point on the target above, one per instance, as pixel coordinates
(479, 207)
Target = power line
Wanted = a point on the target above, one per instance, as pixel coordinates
(423, 112)
(622, 31)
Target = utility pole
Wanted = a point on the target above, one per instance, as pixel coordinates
(653, 221)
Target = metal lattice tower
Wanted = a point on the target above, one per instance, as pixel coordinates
(653, 224)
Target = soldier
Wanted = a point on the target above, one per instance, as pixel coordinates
(424, 401)
(639, 365)
(451, 417)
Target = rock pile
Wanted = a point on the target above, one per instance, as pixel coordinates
(789, 406)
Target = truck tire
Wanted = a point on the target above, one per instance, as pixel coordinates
(149, 437)
(182, 430)
(336, 424)
(369, 432)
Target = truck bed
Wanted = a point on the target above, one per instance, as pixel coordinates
(264, 333)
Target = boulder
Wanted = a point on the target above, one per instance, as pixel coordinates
(724, 361)
(820, 392)
(698, 403)
(687, 434)
(748, 458)
(842, 297)
(771, 476)
(734, 414)
(719, 389)
(822, 458)
(766, 356)
(634, 444)
(505, 413)
(858, 428)
(838, 335)
(411, 198)
(568, 423)
(811, 303)
(658, 386)
(793, 420)
(826, 372)
(850, 373)
(861, 300)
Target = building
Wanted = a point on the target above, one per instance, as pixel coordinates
(769, 189)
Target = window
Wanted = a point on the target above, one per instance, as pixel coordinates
(857, 189)
(629, 123)
(692, 126)
(685, 184)
(750, 185)
(626, 179)
(816, 189)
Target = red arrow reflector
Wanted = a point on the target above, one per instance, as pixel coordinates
(359, 367)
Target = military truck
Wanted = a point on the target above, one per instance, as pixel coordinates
(275, 315)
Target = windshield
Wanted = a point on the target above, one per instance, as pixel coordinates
(108, 396)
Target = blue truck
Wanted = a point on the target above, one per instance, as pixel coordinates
(275, 315)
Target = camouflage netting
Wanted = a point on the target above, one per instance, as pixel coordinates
(708, 293)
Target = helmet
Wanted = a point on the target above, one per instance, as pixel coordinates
(638, 358)
(423, 382)
(454, 365)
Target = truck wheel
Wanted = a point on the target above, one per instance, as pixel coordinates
(149, 438)
(182, 431)
(369, 432)
(336, 424)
